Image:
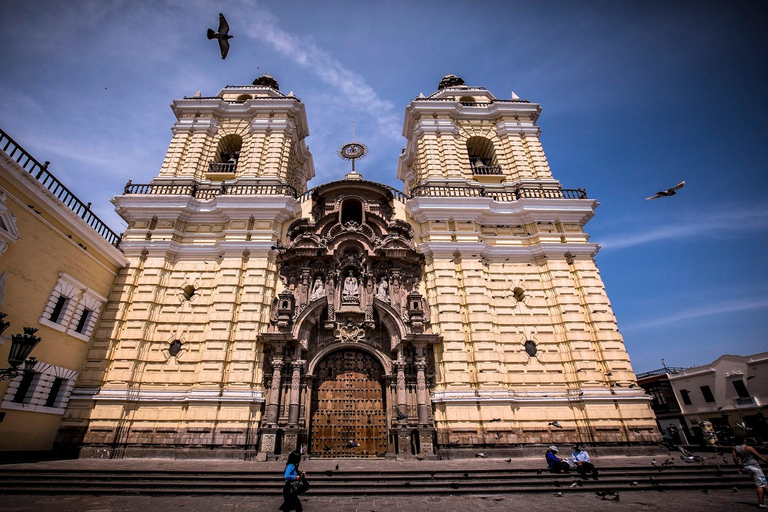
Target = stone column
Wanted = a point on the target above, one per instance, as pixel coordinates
(273, 407)
(421, 391)
(293, 404)
(402, 409)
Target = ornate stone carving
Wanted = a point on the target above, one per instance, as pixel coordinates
(318, 289)
(351, 292)
(349, 333)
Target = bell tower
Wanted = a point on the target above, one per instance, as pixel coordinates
(463, 134)
(531, 352)
(176, 361)
(252, 134)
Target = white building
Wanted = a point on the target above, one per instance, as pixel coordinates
(730, 392)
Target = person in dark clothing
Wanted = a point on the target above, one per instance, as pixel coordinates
(555, 463)
(290, 500)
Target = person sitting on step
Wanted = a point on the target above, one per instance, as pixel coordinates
(580, 457)
(555, 463)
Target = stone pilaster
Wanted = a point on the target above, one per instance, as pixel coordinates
(294, 403)
(273, 406)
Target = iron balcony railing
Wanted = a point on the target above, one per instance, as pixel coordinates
(222, 167)
(486, 170)
(498, 195)
(41, 173)
(205, 192)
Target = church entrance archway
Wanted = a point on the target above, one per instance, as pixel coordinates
(348, 407)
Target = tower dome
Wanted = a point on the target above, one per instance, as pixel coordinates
(449, 81)
(267, 81)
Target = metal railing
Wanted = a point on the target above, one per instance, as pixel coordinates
(222, 167)
(206, 192)
(497, 195)
(660, 371)
(486, 170)
(41, 173)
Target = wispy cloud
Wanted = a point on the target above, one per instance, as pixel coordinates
(728, 307)
(713, 225)
(304, 52)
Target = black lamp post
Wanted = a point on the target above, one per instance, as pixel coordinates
(21, 346)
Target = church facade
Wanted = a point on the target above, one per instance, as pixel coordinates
(256, 316)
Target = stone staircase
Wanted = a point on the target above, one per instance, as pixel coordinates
(432, 481)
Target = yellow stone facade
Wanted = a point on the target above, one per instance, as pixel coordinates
(47, 251)
(215, 322)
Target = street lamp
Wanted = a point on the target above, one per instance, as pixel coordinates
(21, 346)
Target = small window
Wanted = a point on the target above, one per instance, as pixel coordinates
(188, 292)
(83, 322)
(24, 385)
(741, 388)
(707, 393)
(58, 309)
(351, 211)
(53, 394)
(686, 395)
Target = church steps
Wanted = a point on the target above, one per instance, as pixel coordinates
(362, 482)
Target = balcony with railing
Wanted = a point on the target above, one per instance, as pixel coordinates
(41, 173)
(205, 192)
(222, 167)
(497, 194)
(748, 401)
(486, 170)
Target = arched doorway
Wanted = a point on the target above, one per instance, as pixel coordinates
(348, 409)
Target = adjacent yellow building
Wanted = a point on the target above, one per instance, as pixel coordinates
(255, 316)
(58, 262)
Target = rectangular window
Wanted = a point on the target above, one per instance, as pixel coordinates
(54, 393)
(83, 321)
(707, 393)
(24, 385)
(58, 309)
(686, 395)
(741, 388)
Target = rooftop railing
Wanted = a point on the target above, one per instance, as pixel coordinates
(41, 173)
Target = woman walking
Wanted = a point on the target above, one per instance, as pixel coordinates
(290, 497)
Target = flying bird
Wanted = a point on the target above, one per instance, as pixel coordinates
(554, 424)
(668, 192)
(223, 35)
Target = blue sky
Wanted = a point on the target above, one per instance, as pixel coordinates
(636, 96)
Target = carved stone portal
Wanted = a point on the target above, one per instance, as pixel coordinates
(351, 277)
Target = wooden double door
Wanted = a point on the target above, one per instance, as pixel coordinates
(348, 411)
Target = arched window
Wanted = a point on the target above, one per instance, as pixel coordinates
(244, 97)
(351, 210)
(227, 154)
(482, 156)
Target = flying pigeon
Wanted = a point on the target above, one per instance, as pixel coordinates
(223, 35)
(668, 192)
(555, 424)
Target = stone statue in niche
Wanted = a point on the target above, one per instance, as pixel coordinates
(318, 290)
(351, 292)
(382, 291)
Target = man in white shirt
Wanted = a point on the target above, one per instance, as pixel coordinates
(580, 457)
